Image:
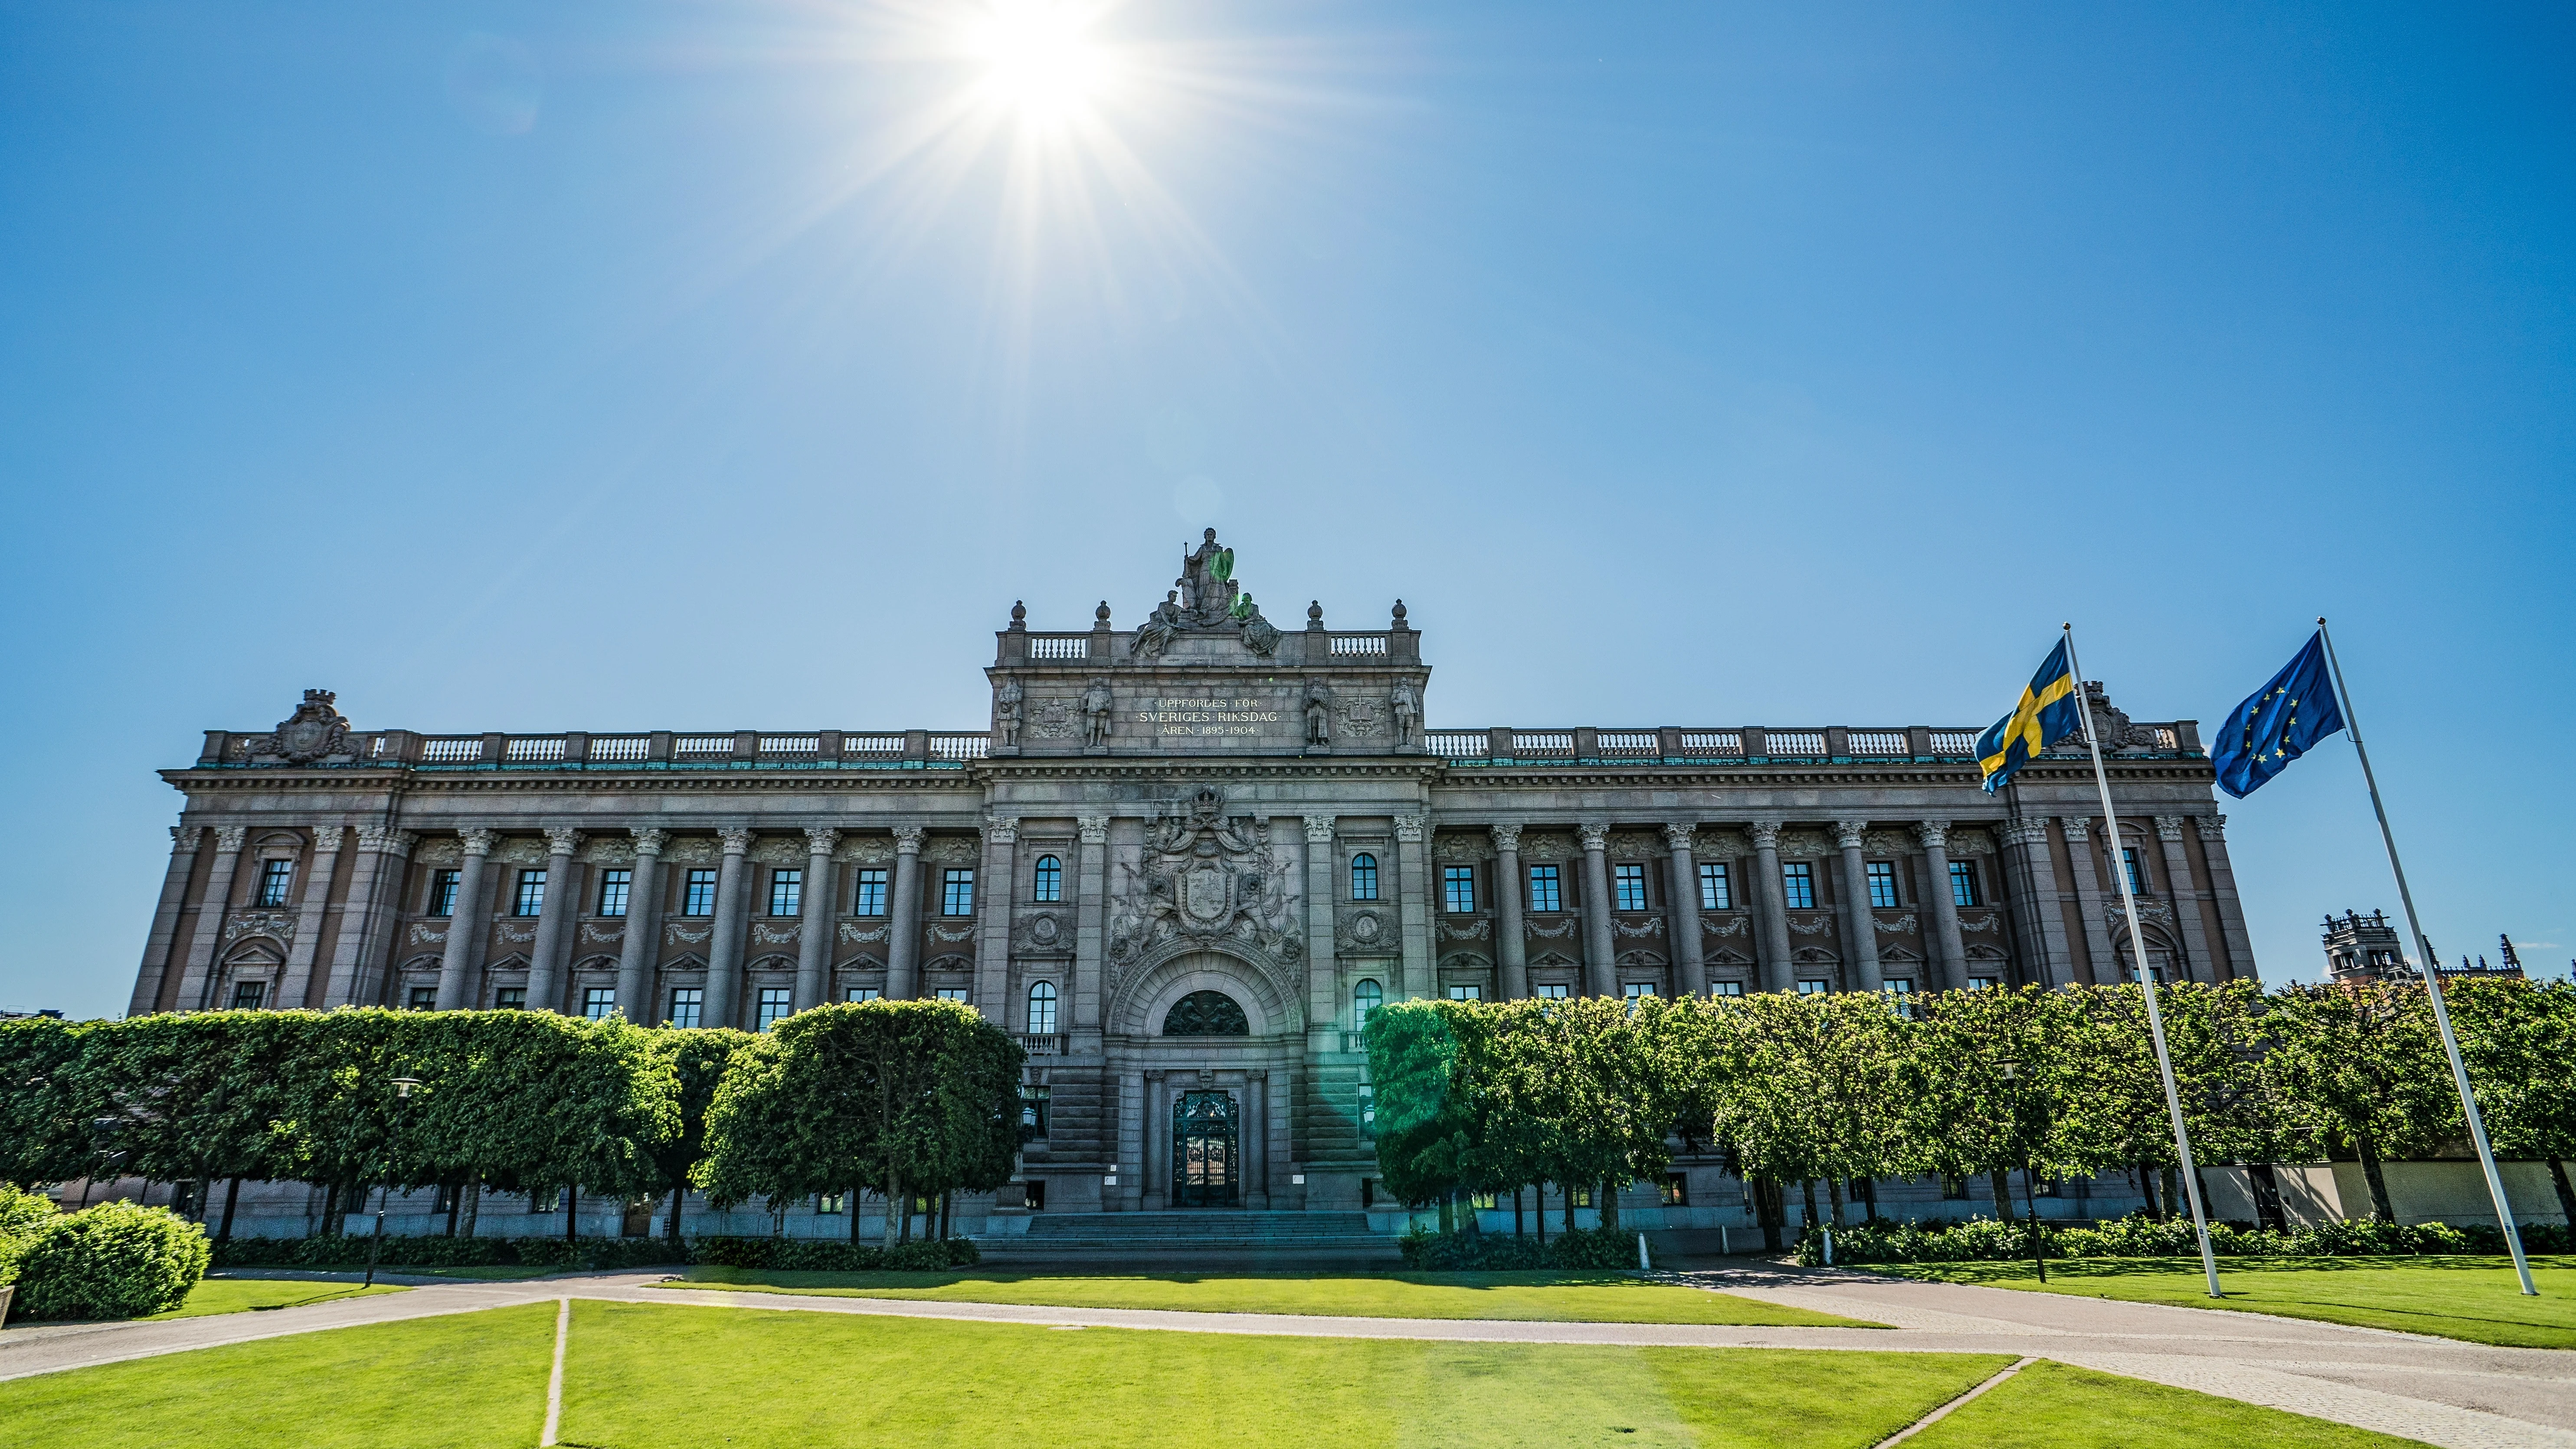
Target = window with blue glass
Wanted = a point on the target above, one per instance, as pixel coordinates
(1363, 877)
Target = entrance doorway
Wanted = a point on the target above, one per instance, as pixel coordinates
(1206, 1166)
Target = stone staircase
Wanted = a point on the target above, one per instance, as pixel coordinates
(1204, 1238)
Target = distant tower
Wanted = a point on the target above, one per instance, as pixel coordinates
(2361, 949)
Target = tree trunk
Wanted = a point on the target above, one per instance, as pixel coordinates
(2147, 1189)
(473, 1205)
(2557, 1179)
(1609, 1206)
(2369, 1151)
(572, 1214)
(232, 1199)
(2001, 1182)
(1834, 1198)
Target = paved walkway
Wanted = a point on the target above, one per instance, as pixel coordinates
(2458, 1395)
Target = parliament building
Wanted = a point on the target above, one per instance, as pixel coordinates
(1181, 863)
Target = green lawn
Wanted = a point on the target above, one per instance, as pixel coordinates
(235, 1295)
(1539, 1296)
(2472, 1298)
(2055, 1406)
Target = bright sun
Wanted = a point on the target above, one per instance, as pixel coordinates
(1037, 60)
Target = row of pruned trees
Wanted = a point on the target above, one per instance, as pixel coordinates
(891, 1097)
(1477, 1098)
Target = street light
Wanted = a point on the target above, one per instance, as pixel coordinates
(376, 1244)
(2011, 1073)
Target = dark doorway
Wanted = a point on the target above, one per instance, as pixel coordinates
(1206, 1170)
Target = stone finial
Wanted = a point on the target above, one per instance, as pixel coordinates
(1019, 616)
(1100, 616)
(1314, 613)
(1399, 614)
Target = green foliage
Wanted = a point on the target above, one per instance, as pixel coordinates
(116, 1260)
(1582, 1248)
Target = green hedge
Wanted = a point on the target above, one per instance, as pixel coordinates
(116, 1260)
(1582, 1248)
(1986, 1240)
(792, 1254)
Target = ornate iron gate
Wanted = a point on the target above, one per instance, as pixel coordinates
(1206, 1169)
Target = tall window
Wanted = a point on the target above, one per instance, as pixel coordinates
(2129, 863)
(1049, 885)
(1715, 893)
(422, 998)
(1467, 992)
(249, 995)
(871, 895)
(951, 993)
(1363, 877)
(775, 1004)
(1365, 998)
(1551, 991)
(598, 1001)
(1458, 889)
(1042, 1008)
(862, 993)
(530, 899)
(1798, 883)
(1545, 889)
(1882, 883)
(688, 1006)
(698, 893)
(957, 892)
(1628, 887)
(274, 877)
(442, 893)
(786, 892)
(510, 998)
(1963, 883)
(612, 891)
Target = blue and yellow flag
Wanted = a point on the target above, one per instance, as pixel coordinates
(2277, 723)
(2047, 711)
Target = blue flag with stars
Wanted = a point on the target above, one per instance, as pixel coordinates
(2279, 723)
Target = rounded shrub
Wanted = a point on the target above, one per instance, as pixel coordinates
(116, 1260)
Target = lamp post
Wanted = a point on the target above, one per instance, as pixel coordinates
(2011, 1073)
(375, 1245)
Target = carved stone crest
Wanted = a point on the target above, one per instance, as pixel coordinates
(314, 731)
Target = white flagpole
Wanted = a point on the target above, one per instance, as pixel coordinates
(2146, 976)
(2432, 981)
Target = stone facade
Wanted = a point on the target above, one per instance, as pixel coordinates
(1205, 804)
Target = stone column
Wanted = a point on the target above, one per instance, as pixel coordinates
(2222, 886)
(1256, 1140)
(641, 951)
(1860, 922)
(467, 926)
(814, 930)
(553, 950)
(995, 889)
(1413, 907)
(375, 896)
(184, 840)
(2043, 915)
(1323, 984)
(2186, 901)
(1771, 907)
(724, 943)
(2088, 897)
(1511, 945)
(903, 933)
(198, 977)
(297, 981)
(1935, 837)
(1690, 965)
(1600, 969)
(1090, 929)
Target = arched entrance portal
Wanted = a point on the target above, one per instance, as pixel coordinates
(1207, 1166)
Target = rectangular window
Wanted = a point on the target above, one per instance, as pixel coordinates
(530, 899)
(422, 998)
(1814, 988)
(1798, 884)
(1882, 883)
(1034, 1109)
(1458, 889)
(698, 893)
(1963, 883)
(775, 1004)
(1676, 1190)
(1467, 993)
(688, 1005)
(249, 995)
(510, 998)
(274, 877)
(1551, 991)
(1726, 988)
(598, 1002)
(951, 993)
(1546, 891)
(1628, 887)
(2128, 862)
(1633, 991)
(612, 891)
(1714, 893)
(870, 898)
(442, 893)
(786, 892)
(862, 993)
(957, 892)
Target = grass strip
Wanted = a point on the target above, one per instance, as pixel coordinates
(2058, 1406)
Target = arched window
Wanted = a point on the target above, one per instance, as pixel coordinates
(1050, 880)
(1365, 998)
(1363, 877)
(1042, 1008)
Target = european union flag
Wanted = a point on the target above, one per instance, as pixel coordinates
(2279, 723)
(2047, 711)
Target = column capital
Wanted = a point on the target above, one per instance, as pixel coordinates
(819, 839)
(1410, 829)
(1319, 830)
(736, 839)
(2078, 828)
(1932, 834)
(328, 837)
(1765, 833)
(231, 837)
(1094, 829)
(1851, 834)
(562, 840)
(386, 841)
(1594, 834)
(2169, 827)
(1681, 837)
(1001, 830)
(648, 840)
(1507, 838)
(2213, 828)
(907, 839)
(478, 841)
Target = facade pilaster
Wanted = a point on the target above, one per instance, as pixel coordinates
(1600, 968)
(2222, 885)
(2088, 897)
(995, 891)
(2202, 967)
(319, 868)
(1934, 836)
(469, 923)
(1860, 921)
(1690, 964)
(547, 959)
(1771, 906)
(903, 940)
(360, 956)
(814, 929)
(1324, 1011)
(1511, 944)
(157, 947)
(1091, 923)
(725, 942)
(1414, 908)
(212, 908)
(641, 951)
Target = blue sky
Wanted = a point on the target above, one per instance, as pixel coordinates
(629, 365)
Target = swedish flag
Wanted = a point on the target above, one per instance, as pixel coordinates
(2047, 711)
